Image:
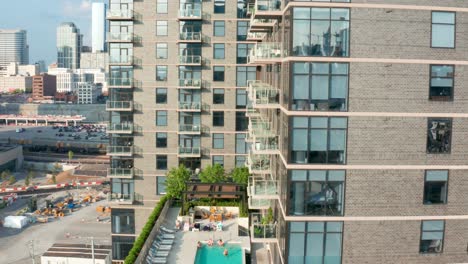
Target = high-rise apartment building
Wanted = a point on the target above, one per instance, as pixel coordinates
(98, 27)
(69, 44)
(177, 95)
(13, 48)
(356, 120)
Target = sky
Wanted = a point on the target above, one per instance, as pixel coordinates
(41, 18)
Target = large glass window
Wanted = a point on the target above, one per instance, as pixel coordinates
(245, 74)
(321, 32)
(161, 140)
(242, 30)
(161, 95)
(443, 30)
(161, 6)
(442, 79)
(218, 96)
(218, 51)
(218, 140)
(318, 140)
(316, 192)
(243, 52)
(190, 30)
(161, 28)
(242, 122)
(315, 242)
(123, 221)
(320, 86)
(439, 136)
(161, 185)
(218, 159)
(218, 118)
(161, 50)
(241, 98)
(241, 144)
(432, 236)
(161, 118)
(219, 6)
(161, 162)
(121, 246)
(240, 161)
(218, 73)
(435, 187)
(161, 73)
(218, 28)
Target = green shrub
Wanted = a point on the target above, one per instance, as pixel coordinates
(145, 232)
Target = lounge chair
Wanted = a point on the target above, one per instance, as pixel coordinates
(159, 260)
(159, 246)
(165, 241)
(228, 215)
(167, 230)
(158, 253)
(166, 236)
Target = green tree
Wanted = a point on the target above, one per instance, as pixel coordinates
(240, 175)
(12, 179)
(175, 181)
(70, 155)
(6, 174)
(213, 174)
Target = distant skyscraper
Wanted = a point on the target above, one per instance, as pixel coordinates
(13, 48)
(99, 27)
(69, 43)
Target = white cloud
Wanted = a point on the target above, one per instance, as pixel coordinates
(85, 5)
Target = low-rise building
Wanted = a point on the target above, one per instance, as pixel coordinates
(11, 157)
(88, 92)
(44, 87)
(9, 84)
(77, 254)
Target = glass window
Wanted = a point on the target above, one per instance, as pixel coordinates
(218, 73)
(161, 162)
(161, 28)
(435, 187)
(241, 98)
(161, 140)
(242, 122)
(161, 73)
(161, 118)
(240, 161)
(161, 50)
(218, 96)
(321, 32)
(217, 159)
(218, 28)
(318, 140)
(320, 86)
(439, 136)
(161, 185)
(161, 95)
(432, 236)
(242, 30)
(218, 51)
(121, 246)
(443, 30)
(123, 221)
(218, 140)
(316, 192)
(161, 6)
(245, 74)
(442, 79)
(218, 118)
(190, 30)
(315, 242)
(219, 6)
(241, 144)
(243, 51)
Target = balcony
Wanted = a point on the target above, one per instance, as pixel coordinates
(190, 37)
(259, 204)
(190, 60)
(190, 129)
(190, 106)
(255, 36)
(124, 37)
(263, 231)
(263, 95)
(250, 9)
(193, 12)
(121, 198)
(261, 188)
(121, 83)
(120, 173)
(262, 25)
(119, 106)
(266, 145)
(124, 60)
(120, 14)
(190, 84)
(258, 164)
(120, 151)
(189, 152)
(120, 128)
(265, 9)
(259, 128)
(267, 53)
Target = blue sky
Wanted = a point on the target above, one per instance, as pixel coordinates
(41, 18)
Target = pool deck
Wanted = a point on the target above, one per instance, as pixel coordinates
(184, 249)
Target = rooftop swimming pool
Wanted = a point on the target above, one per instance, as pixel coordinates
(214, 254)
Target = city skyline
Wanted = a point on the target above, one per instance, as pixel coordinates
(42, 36)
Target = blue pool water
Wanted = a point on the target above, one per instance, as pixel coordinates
(214, 255)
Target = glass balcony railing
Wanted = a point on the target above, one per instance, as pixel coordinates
(195, 106)
(262, 231)
(119, 105)
(255, 35)
(121, 60)
(251, 111)
(264, 52)
(190, 83)
(121, 82)
(122, 198)
(190, 59)
(190, 36)
(120, 14)
(190, 12)
(260, 187)
(189, 151)
(120, 150)
(255, 203)
(120, 37)
(258, 163)
(267, 5)
(259, 128)
(120, 173)
(267, 145)
(120, 128)
(263, 94)
(190, 128)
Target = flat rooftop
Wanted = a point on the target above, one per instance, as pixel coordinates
(7, 147)
(78, 251)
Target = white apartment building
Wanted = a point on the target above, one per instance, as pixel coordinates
(13, 48)
(87, 92)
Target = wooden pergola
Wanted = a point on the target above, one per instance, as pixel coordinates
(196, 190)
